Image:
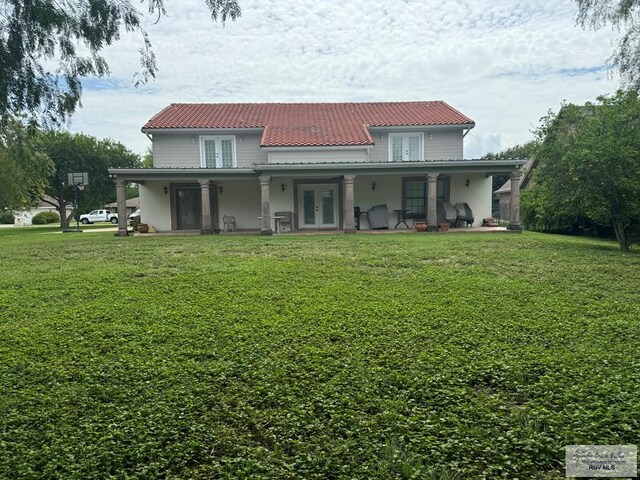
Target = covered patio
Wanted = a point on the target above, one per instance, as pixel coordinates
(319, 196)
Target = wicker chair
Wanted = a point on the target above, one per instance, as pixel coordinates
(465, 215)
(229, 222)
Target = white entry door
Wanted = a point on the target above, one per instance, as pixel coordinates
(318, 206)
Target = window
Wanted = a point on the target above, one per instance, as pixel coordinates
(415, 195)
(406, 147)
(218, 151)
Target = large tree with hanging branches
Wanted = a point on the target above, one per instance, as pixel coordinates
(623, 16)
(48, 46)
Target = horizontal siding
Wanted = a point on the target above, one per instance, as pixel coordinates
(443, 145)
(178, 151)
(319, 156)
(248, 150)
(183, 150)
(380, 152)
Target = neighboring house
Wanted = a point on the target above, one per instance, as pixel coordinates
(132, 205)
(24, 217)
(503, 194)
(316, 161)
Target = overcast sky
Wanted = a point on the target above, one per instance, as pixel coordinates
(504, 63)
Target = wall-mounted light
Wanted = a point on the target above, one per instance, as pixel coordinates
(241, 139)
(193, 139)
(430, 136)
(373, 186)
(283, 187)
(220, 189)
(165, 189)
(381, 137)
(467, 183)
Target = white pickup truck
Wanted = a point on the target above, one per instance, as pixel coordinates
(99, 216)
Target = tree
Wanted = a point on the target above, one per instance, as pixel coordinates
(24, 169)
(589, 165)
(147, 158)
(83, 153)
(526, 150)
(622, 15)
(35, 34)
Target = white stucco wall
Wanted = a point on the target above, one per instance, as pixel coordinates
(155, 206)
(477, 195)
(241, 199)
(388, 191)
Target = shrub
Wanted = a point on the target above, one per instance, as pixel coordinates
(7, 218)
(44, 218)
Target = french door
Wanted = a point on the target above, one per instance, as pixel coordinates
(187, 207)
(188, 204)
(318, 206)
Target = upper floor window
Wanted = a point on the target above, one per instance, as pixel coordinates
(218, 151)
(406, 147)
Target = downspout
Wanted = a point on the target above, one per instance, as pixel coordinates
(465, 133)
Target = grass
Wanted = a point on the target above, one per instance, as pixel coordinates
(12, 231)
(344, 356)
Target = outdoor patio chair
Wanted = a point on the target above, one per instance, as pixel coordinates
(286, 222)
(378, 217)
(229, 222)
(447, 214)
(465, 215)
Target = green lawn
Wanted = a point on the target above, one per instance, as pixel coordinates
(331, 356)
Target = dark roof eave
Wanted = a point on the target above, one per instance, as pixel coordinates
(479, 162)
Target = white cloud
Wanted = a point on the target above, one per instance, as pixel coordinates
(503, 63)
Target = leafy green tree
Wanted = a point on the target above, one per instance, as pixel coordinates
(624, 16)
(147, 158)
(36, 34)
(23, 168)
(525, 150)
(83, 153)
(589, 165)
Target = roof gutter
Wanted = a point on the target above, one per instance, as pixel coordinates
(406, 128)
(468, 130)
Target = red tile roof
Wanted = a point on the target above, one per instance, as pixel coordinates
(308, 124)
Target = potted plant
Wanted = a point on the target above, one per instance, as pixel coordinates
(137, 226)
(421, 226)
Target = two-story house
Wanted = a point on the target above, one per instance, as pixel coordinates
(315, 160)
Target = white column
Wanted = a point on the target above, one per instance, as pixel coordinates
(349, 219)
(432, 212)
(514, 207)
(265, 183)
(205, 191)
(121, 197)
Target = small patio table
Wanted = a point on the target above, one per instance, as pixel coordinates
(401, 216)
(278, 219)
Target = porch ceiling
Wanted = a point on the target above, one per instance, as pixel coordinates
(140, 175)
(488, 167)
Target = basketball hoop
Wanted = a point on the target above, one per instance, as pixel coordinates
(77, 181)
